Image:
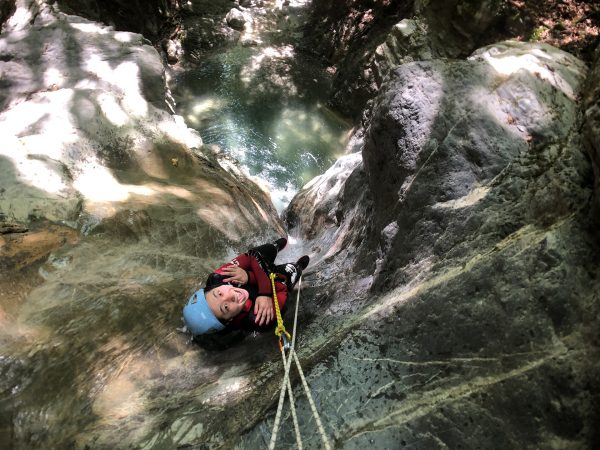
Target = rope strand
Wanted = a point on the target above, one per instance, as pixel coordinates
(286, 384)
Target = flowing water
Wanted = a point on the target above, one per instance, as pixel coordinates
(265, 106)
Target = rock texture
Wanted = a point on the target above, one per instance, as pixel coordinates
(153, 18)
(469, 314)
(114, 213)
(7, 8)
(364, 39)
(452, 297)
(591, 102)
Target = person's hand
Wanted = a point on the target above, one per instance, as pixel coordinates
(264, 310)
(235, 274)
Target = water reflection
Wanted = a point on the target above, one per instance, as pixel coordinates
(263, 107)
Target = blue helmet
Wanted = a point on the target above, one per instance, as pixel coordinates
(198, 317)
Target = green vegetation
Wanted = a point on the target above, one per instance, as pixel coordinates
(537, 33)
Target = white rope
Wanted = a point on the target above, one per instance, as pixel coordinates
(312, 404)
(293, 408)
(286, 385)
(286, 375)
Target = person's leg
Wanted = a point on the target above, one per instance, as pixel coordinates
(267, 253)
(292, 271)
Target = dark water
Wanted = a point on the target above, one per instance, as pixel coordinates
(265, 107)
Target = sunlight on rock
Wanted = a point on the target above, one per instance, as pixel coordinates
(37, 173)
(97, 183)
(545, 62)
(128, 78)
(26, 115)
(222, 218)
(186, 431)
(90, 27)
(468, 200)
(177, 192)
(21, 17)
(177, 130)
(226, 390)
(112, 110)
(119, 399)
(33, 170)
(124, 36)
(125, 77)
(53, 78)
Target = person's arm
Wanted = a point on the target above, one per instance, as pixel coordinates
(256, 275)
(264, 307)
(235, 271)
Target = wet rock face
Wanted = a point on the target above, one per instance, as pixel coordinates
(355, 30)
(346, 34)
(591, 103)
(475, 228)
(7, 8)
(150, 18)
(364, 39)
(145, 213)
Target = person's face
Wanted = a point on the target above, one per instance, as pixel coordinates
(226, 301)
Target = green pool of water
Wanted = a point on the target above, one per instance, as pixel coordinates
(265, 107)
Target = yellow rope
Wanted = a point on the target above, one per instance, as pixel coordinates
(280, 326)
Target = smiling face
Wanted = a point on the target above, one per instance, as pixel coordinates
(226, 301)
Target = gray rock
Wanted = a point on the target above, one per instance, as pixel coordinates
(236, 19)
(473, 220)
(206, 34)
(173, 50)
(591, 102)
(408, 41)
(451, 299)
(87, 140)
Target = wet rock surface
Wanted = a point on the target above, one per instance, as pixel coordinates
(114, 212)
(452, 296)
(364, 38)
(591, 102)
(474, 278)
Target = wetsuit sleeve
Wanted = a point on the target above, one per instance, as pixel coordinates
(247, 320)
(256, 276)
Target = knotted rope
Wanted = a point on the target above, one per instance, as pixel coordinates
(280, 330)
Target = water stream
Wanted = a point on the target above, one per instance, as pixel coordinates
(265, 106)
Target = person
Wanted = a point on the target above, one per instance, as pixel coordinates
(239, 294)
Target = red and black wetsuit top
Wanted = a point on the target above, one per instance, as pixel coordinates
(259, 284)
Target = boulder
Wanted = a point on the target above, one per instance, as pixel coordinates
(457, 268)
(408, 41)
(206, 34)
(173, 50)
(236, 19)
(361, 40)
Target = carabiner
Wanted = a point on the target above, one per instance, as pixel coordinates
(284, 343)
